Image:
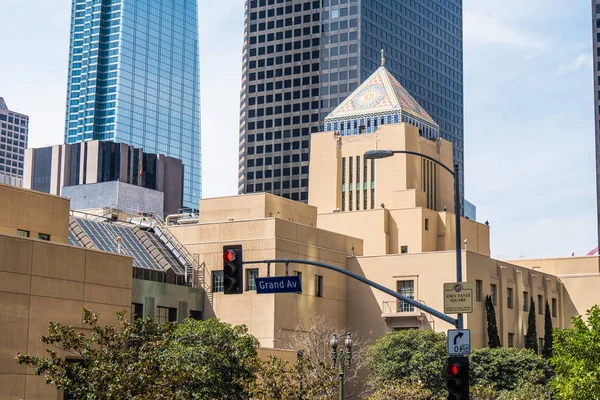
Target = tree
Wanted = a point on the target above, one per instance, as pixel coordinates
(576, 358)
(312, 339)
(492, 328)
(505, 369)
(278, 380)
(404, 390)
(547, 350)
(531, 340)
(410, 355)
(143, 360)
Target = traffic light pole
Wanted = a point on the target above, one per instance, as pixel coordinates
(362, 279)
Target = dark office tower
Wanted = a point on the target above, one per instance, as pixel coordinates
(303, 58)
(134, 79)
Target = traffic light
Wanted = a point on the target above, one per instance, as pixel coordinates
(458, 378)
(233, 271)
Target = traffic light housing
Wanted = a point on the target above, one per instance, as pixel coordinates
(458, 378)
(233, 270)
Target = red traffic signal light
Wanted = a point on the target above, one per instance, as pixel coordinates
(233, 270)
(229, 255)
(457, 382)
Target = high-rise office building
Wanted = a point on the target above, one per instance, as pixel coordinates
(134, 78)
(301, 59)
(14, 131)
(596, 51)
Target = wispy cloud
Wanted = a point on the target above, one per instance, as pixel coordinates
(582, 61)
(481, 29)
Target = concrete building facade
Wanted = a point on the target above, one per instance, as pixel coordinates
(14, 135)
(50, 169)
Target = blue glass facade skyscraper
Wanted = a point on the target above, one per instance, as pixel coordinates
(134, 78)
(303, 58)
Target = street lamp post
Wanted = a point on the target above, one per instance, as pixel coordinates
(341, 358)
(376, 154)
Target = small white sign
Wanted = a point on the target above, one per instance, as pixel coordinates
(459, 342)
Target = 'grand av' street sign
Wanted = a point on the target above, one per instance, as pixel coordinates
(278, 284)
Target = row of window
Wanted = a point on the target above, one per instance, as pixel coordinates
(13, 120)
(25, 234)
(510, 298)
(163, 314)
(299, 7)
(253, 273)
(280, 23)
(277, 185)
(259, 162)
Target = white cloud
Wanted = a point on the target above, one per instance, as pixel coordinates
(582, 61)
(480, 29)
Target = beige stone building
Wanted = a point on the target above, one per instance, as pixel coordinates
(388, 220)
(43, 279)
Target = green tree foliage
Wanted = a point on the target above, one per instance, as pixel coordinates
(506, 369)
(547, 350)
(576, 359)
(404, 390)
(278, 380)
(143, 360)
(410, 355)
(531, 340)
(492, 328)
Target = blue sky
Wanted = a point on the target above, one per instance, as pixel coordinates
(529, 129)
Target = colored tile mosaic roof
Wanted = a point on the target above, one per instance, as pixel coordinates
(380, 93)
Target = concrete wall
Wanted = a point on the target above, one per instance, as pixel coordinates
(372, 313)
(42, 282)
(271, 317)
(35, 212)
(115, 194)
(580, 277)
(393, 175)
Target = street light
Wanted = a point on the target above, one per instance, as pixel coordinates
(341, 358)
(377, 154)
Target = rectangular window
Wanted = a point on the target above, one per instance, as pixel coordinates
(343, 183)
(318, 286)
(251, 274)
(426, 224)
(137, 311)
(43, 236)
(22, 233)
(540, 345)
(372, 184)
(299, 275)
(525, 301)
(540, 304)
(478, 289)
(407, 289)
(509, 297)
(403, 249)
(195, 314)
(350, 199)
(165, 314)
(357, 182)
(511, 339)
(493, 294)
(554, 308)
(217, 281)
(350, 173)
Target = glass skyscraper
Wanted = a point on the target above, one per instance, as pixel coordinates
(303, 58)
(134, 78)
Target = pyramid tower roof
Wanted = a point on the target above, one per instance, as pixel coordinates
(380, 93)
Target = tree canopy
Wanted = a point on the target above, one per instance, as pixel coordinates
(531, 340)
(142, 360)
(492, 328)
(576, 359)
(411, 355)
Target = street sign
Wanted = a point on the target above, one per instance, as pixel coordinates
(278, 284)
(459, 342)
(458, 298)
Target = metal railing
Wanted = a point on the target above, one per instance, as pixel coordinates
(398, 307)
